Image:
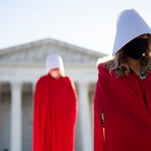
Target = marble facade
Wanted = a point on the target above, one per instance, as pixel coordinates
(20, 68)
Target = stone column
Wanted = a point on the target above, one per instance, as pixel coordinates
(16, 117)
(85, 117)
(33, 92)
(33, 87)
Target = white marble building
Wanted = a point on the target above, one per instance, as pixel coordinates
(20, 68)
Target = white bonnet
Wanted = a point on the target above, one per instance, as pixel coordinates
(54, 61)
(129, 25)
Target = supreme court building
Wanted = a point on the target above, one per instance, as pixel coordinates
(20, 68)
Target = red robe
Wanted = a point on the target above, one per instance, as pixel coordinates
(126, 103)
(55, 111)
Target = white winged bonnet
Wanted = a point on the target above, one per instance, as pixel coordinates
(54, 61)
(129, 25)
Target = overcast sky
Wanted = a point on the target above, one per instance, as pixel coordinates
(85, 23)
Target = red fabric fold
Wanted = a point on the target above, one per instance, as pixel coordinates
(126, 102)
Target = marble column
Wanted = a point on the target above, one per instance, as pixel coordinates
(33, 86)
(33, 92)
(85, 117)
(16, 116)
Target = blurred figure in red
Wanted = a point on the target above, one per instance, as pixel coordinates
(55, 109)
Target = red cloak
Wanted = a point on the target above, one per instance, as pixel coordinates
(55, 110)
(126, 104)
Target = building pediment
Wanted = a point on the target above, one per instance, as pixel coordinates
(36, 52)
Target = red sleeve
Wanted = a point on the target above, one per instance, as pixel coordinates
(72, 113)
(73, 98)
(98, 107)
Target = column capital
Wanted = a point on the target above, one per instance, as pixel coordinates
(82, 83)
(19, 83)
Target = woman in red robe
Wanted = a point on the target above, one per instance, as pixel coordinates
(122, 104)
(55, 109)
